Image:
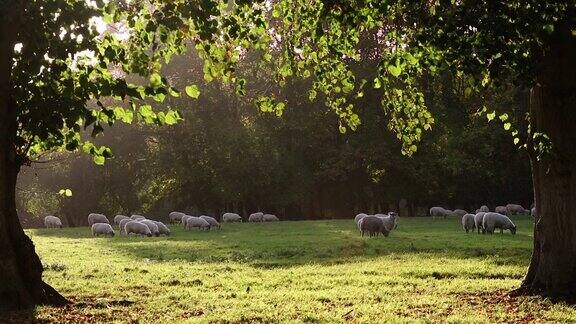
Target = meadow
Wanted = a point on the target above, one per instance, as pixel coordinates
(306, 271)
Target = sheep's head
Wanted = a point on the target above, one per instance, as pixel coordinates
(513, 230)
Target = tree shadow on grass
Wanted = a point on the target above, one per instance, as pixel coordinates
(285, 244)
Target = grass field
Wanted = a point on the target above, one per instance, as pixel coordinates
(307, 271)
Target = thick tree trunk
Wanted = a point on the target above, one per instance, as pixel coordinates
(552, 271)
(21, 284)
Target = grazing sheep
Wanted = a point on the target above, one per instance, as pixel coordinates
(94, 218)
(460, 212)
(372, 226)
(176, 217)
(256, 217)
(102, 229)
(52, 222)
(197, 222)
(151, 225)
(138, 228)
(231, 218)
(492, 221)
(484, 208)
(478, 221)
(270, 218)
(212, 221)
(501, 210)
(118, 218)
(515, 209)
(162, 228)
(137, 217)
(123, 225)
(533, 212)
(438, 212)
(449, 213)
(185, 219)
(468, 222)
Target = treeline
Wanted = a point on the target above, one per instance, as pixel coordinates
(228, 156)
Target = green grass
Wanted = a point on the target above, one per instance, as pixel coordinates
(313, 271)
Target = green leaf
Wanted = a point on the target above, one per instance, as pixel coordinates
(394, 70)
(193, 91)
(503, 117)
(516, 140)
(99, 159)
(491, 116)
(65, 192)
(377, 83)
(507, 126)
(156, 80)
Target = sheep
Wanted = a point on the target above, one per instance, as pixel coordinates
(460, 212)
(390, 220)
(501, 210)
(256, 217)
(52, 222)
(468, 222)
(212, 221)
(492, 221)
(484, 208)
(373, 225)
(137, 228)
(162, 228)
(175, 217)
(514, 209)
(151, 225)
(437, 212)
(102, 229)
(358, 218)
(231, 218)
(94, 218)
(197, 222)
(270, 218)
(448, 213)
(137, 217)
(118, 218)
(185, 219)
(478, 221)
(123, 225)
(477, 211)
(533, 212)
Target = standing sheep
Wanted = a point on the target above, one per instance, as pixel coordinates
(493, 221)
(437, 212)
(123, 225)
(52, 222)
(231, 218)
(468, 222)
(389, 220)
(175, 217)
(102, 229)
(94, 218)
(484, 208)
(372, 226)
(138, 228)
(118, 218)
(478, 221)
(515, 209)
(151, 225)
(501, 210)
(256, 217)
(460, 212)
(192, 222)
(270, 218)
(162, 228)
(212, 221)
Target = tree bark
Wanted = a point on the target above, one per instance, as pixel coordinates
(552, 270)
(21, 284)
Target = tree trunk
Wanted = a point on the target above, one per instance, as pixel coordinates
(552, 270)
(21, 284)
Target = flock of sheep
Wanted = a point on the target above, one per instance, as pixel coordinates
(140, 225)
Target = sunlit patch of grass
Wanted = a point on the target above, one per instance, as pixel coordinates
(312, 271)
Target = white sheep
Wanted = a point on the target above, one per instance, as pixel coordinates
(438, 212)
(151, 225)
(185, 219)
(138, 228)
(533, 212)
(501, 210)
(468, 223)
(137, 217)
(212, 221)
(460, 212)
(176, 217)
(514, 209)
(102, 229)
(270, 218)
(372, 226)
(389, 220)
(118, 218)
(478, 221)
(231, 218)
(162, 228)
(52, 222)
(94, 218)
(123, 225)
(192, 222)
(484, 208)
(358, 217)
(256, 217)
(493, 221)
